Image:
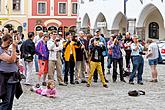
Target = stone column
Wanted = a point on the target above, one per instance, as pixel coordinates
(132, 26)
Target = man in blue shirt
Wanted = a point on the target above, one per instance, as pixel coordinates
(137, 60)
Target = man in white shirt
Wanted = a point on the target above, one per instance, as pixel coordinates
(55, 47)
(153, 54)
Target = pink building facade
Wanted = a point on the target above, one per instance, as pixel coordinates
(48, 15)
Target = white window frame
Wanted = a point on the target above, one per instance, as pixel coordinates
(45, 8)
(72, 8)
(59, 7)
(13, 7)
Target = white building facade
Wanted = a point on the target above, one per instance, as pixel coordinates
(142, 17)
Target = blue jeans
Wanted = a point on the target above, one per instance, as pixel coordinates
(138, 64)
(109, 61)
(36, 63)
(7, 100)
(153, 62)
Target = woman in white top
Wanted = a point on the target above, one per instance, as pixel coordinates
(153, 54)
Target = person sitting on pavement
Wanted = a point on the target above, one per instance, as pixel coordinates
(50, 90)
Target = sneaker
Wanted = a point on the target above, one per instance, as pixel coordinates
(62, 84)
(88, 85)
(140, 83)
(37, 86)
(76, 82)
(73, 83)
(131, 82)
(154, 80)
(105, 85)
(123, 80)
(83, 81)
(44, 83)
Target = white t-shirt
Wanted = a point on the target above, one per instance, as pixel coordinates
(153, 47)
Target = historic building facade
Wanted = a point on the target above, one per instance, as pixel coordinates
(13, 14)
(142, 17)
(48, 15)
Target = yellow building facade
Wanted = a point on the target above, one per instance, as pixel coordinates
(14, 15)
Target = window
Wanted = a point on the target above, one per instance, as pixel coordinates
(41, 8)
(62, 8)
(74, 8)
(154, 30)
(16, 5)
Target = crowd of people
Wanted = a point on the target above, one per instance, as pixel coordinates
(78, 56)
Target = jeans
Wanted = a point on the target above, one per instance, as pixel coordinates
(7, 100)
(138, 64)
(109, 61)
(36, 63)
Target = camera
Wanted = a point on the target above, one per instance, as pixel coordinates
(57, 40)
(141, 53)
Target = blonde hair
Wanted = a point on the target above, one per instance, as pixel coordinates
(50, 82)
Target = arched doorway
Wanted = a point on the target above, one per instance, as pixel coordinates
(101, 23)
(86, 24)
(38, 28)
(52, 28)
(72, 29)
(151, 23)
(119, 23)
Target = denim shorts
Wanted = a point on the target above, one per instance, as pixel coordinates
(153, 62)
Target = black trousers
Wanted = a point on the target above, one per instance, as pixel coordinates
(128, 58)
(69, 67)
(95, 76)
(8, 97)
(115, 62)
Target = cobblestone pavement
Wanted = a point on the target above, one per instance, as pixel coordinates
(79, 97)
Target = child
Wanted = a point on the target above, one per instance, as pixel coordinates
(95, 63)
(50, 91)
